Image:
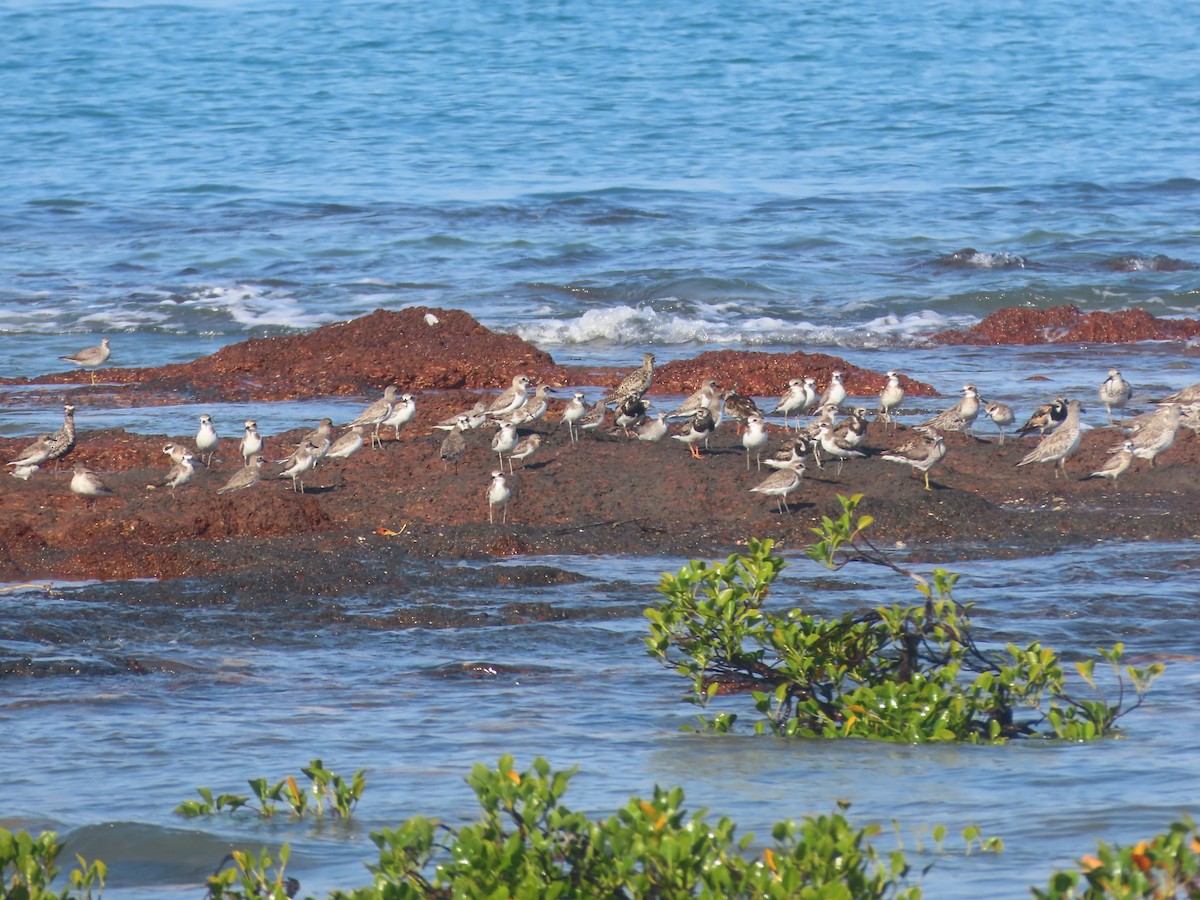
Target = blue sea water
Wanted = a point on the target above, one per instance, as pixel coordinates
(601, 179)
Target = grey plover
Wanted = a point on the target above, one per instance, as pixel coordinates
(635, 384)
(90, 357)
(498, 495)
(1001, 415)
(251, 442)
(890, 399)
(1058, 444)
(87, 483)
(699, 428)
(922, 453)
(1045, 418)
(755, 439)
(347, 445)
(245, 477)
(62, 441)
(207, 440)
(781, 483)
(375, 414)
(1117, 464)
(1115, 392)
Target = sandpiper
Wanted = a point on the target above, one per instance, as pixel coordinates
(593, 418)
(375, 414)
(1058, 444)
(634, 384)
(781, 483)
(890, 399)
(207, 440)
(1001, 415)
(245, 477)
(251, 442)
(703, 397)
(90, 357)
(922, 453)
(1157, 434)
(1117, 464)
(654, 429)
(87, 483)
(755, 439)
(498, 494)
(1115, 392)
(1186, 397)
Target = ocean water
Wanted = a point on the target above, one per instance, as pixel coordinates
(600, 179)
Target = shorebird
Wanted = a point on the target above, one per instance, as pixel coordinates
(834, 447)
(1187, 397)
(251, 442)
(593, 418)
(1058, 444)
(87, 483)
(852, 429)
(207, 440)
(793, 400)
(181, 472)
(347, 445)
(922, 453)
(631, 413)
(476, 416)
(455, 445)
(177, 453)
(35, 454)
(322, 436)
(402, 413)
(740, 408)
(498, 494)
(699, 428)
(505, 441)
(959, 417)
(797, 448)
(890, 398)
(24, 472)
(754, 439)
(1045, 418)
(654, 429)
(62, 441)
(781, 483)
(375, 414)
(634, 384)
(835, 392)
(1116, 465)
(302, 460)
(1156, 434)
(1115, 392)
(510, 399)
(90, 357)
(703, 397)
(525, 448)
(1001, 415)
(575, 410)
(245, 477)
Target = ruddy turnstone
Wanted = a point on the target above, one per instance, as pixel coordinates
(890, 398)
(207, 440)
(87, 483)
(922, 453)
(245, 477)
(835, 391)
(1115, 392)
(575, 410)
(740, 408)
(90, 357)
(754, 439)
(1045, 418)
(1117, 464)
(1001, 415)
(1058, 444)
(251, 442)
(634, 384)
(781, 483)
(631, 413)
(498, 495)
(699, 427)
(375, 414)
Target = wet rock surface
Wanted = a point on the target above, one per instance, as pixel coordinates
(364, 521)
(1069, 324)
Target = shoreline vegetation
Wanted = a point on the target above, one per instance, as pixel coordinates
(608, 493)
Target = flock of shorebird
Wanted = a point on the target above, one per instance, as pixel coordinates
(825, 436)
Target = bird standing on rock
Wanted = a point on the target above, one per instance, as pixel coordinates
(699, 428)
(1115, 392)
(922, 453)
(635, 384)
(375, 414)
(207, 440)
(1058, 444)
(245, 477)
(1045, 418)
(90, 357)
(890, 398)
(87, 483)
(498, 494)
(251, 441)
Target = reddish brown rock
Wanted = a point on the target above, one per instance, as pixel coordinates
(1069, 325)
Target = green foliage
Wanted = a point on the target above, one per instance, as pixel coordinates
(899, 673)
(27, 867)
(327, 791)
(528, 844)
(1167, 865)
(252, 877)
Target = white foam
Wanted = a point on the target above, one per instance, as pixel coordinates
(257, 306)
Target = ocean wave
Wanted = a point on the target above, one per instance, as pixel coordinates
(256, 306)
(970, 258)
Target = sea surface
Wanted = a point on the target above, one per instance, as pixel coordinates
(601, 179)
